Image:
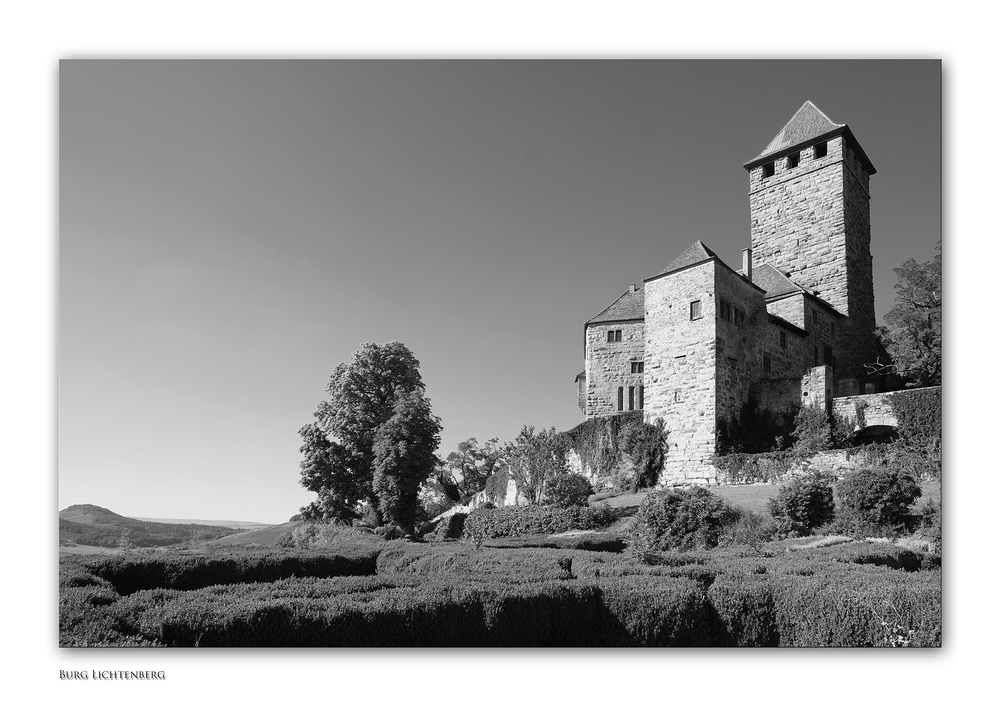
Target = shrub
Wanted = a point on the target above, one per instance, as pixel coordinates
(680, 519)
(522, 520)
(450, 527)
(751, 530)
(743, 468)
(812, 430)
(802, 505)
(879, 496)
(567, 490)
(930, 524)
(919, 416)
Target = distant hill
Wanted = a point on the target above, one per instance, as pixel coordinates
(99, 527)
(238, 524)
(266, 537)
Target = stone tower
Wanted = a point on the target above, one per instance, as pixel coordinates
(809, 219)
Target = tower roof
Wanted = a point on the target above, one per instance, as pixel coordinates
(809, 124)
(628, 307)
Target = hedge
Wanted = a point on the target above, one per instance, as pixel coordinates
(522, 520)
(130, 573)
(453, 595)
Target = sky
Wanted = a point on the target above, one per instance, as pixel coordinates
(230, 231)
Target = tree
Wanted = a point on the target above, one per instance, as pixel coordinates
(912, 331)
(380, 385)
(404, 457)
(532, 459)
(470, 465)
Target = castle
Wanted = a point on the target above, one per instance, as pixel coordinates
(796, 325)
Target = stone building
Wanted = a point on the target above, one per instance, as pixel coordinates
(795, 325)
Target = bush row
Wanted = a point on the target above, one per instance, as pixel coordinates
(522, 520)
(860, 606)
(130, 573)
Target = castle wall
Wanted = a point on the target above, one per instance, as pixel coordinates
(797, 221)
(787, 352)
(857, 335)
(609, 367)
(739, 343)
(680, 367)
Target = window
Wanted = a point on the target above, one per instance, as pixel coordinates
(641, 395)
(739, 317)
(631, 398)
(827, 355)
(819, 150)
(767, 363)
(833, 330)
(615, 336)
(696, 309)
(792, 161)
(815, 316)
(677, 395)
(768, 170)
(637, 367)
(782, 340)
(815, 354)
(621, 399)
(725, 310)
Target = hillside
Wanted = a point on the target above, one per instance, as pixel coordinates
(99, 527)
(266, 537)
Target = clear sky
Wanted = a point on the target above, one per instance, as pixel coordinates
(230, 231)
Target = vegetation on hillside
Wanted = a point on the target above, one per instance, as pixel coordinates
(104, 528)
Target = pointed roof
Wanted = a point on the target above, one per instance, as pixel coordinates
(628, 307)
(809, 124)
(698, 252)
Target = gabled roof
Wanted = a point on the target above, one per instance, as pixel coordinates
(808, 123)
(698, 252)
(774, 282)
(628, 307)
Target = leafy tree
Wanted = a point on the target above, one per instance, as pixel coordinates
(912, 331)
(380, 385)
(531, 459)
(470, 465)
(404, 457)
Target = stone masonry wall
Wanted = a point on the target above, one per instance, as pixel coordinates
(739, 346)
(857, 334)
(680, 367)
(877, 407)
(609, 367)
(797, 222)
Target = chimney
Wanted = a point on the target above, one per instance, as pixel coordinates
(747, 267)
(633, 288)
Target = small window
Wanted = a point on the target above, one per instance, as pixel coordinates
(815, 354)
(637, 367)
(641, 395)
(792, 161)
(631, 398)
(819, 150)
(739, 317)
(815, 316)
(833, 330)
(725, 310)
(768, 170)
(782, 339)
(767, 363)
(621, 399)
(827, 355)
(615, 336)
(696, 310)
(677, 395)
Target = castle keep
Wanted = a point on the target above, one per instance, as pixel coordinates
(795, 325)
